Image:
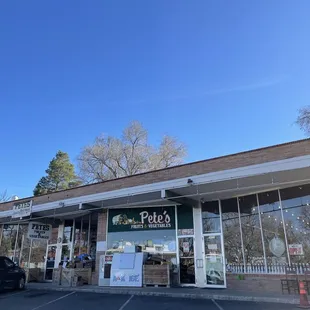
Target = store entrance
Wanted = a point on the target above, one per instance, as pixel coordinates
(187, 261)
(50, 262)
(213, 253)
(214, 261)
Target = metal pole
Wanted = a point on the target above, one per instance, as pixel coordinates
(262, 234)
(15, 246)
(81, 235)
(29, 259)
(1, 233)
(241, 236)
(283, 223)
(88, 239)
(72, 242)
(21, 250)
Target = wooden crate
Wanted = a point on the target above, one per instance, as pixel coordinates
(56, 276)
(84, 273)
(156, 275)
(67, 275)
(34, 275)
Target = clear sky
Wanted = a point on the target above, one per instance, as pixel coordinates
(222, 76)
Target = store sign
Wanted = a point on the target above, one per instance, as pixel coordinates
(296, 249)
(141, 219)
(22, 209)
(39, 231)
(277, 247)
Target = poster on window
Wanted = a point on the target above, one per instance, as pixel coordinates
(296, 249)
(185, 247)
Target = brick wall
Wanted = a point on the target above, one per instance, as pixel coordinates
(256, 283)
(259, 156)
(101, 236)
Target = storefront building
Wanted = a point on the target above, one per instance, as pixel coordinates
(243, 214)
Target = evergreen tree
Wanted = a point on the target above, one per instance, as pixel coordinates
(60, 176)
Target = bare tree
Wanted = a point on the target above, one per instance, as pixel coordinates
(303, 119)
(110, 157)
(4, 196)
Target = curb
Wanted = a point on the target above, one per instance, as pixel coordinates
(293, 301)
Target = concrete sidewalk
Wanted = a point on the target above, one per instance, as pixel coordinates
(189, 293)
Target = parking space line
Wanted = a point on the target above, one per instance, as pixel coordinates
(52, 301)
(8, 295)
(125, 304)
(219, 307)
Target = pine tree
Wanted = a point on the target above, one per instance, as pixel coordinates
(60, 176)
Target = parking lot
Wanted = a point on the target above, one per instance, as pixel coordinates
(51, 300)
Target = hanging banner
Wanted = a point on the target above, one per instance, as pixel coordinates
(141, 219)
(22, 209)
(39, 231)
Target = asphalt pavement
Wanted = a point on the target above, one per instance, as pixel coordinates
(53, 300)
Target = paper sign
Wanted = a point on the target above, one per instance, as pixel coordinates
(185, 247)
(296, 249)
(212, 246)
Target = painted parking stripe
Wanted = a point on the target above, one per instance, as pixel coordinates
(9, 295)
(52, 301)
(126, 303)
(218, 306)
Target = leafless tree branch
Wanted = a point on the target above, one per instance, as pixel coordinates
(109, 157)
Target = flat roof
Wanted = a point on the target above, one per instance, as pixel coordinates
(232, 161)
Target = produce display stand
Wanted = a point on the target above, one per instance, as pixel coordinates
(156, 275)
(71, 276)
(34, 275)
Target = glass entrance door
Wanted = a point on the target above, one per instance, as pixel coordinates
(187, 260)
(50, 262)
(214, 261)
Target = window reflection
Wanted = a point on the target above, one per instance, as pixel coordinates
(251, 231)
(296, 211)
(211, 221)
(156, 242)
(231, 231)
(272, 226)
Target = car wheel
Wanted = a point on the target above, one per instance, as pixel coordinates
(21, 284)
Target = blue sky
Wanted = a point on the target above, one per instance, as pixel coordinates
(222, 76)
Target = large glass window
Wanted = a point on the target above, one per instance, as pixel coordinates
(211, 221)
(296, 211)
(272, 227)
(153, 242)
(9, 236)
(231, 232)
(251, 230)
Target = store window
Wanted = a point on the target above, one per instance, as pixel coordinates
(185, 220)
(211, 220)
(272, 228)
(231, 232)
(8, 242)
(251, 230)
(296, 212)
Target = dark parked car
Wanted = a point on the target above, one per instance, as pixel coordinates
(11, 276)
